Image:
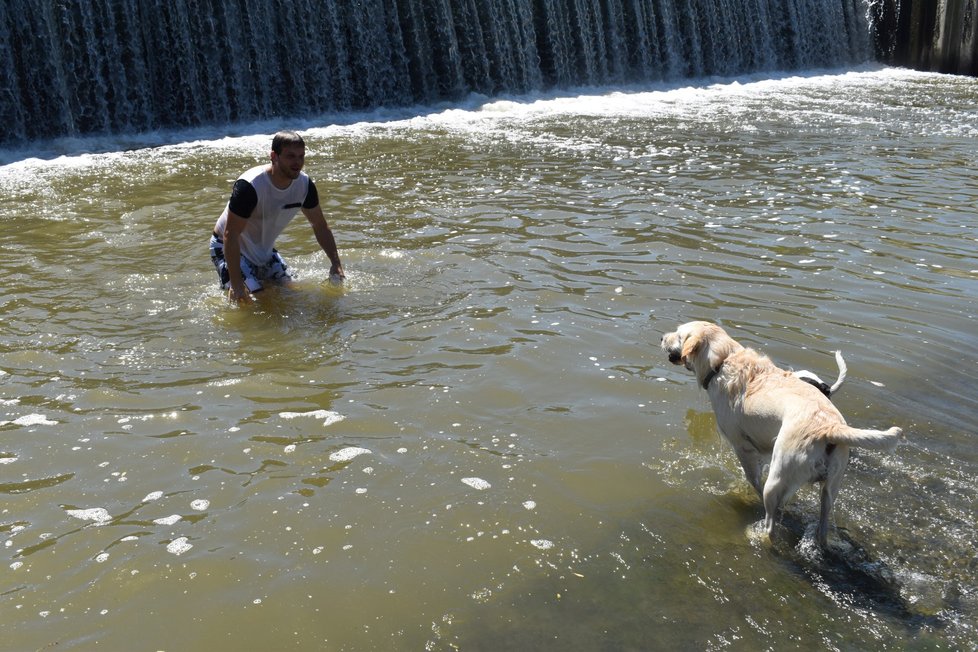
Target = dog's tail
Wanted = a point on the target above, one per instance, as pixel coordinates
(842, 372)
(885, 440)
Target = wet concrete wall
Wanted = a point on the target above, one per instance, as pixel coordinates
(937, 35)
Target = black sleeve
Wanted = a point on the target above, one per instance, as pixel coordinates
(312, 196)
(244, 198)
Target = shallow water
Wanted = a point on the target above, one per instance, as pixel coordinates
(476, 442)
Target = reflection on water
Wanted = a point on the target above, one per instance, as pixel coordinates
(476, 443)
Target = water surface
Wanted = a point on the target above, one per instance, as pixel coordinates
(476, 443)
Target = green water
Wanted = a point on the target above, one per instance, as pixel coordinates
(476, 443)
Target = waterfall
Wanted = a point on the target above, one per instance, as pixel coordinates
(85, 67)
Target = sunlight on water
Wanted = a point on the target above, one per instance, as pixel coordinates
(475, 442)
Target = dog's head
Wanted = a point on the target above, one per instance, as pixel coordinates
(699, 346)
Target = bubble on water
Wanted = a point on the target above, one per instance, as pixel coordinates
(348, 453)
(168, 520)
(16, 565)
(530, 504)
(482, 595)
(179, 546)
(153, 495)
(8, 460)
(542, 544)
(101, 557)
(97, 514)
(289, 449)
(476, 483)
(200, 504)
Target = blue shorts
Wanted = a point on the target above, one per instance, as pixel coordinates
(274, 270)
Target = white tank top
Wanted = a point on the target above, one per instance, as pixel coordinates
(274, 211)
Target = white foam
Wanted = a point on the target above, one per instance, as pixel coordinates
(97, 514)
(200, 504)
(476, 483)
(31, 420)
(179, 546)
(542, 544)
(329, 417)
(168, 520)
(153, 495)
(348, 453)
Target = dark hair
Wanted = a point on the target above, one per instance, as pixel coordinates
(285, 139)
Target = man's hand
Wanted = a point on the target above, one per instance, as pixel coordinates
(240, 295)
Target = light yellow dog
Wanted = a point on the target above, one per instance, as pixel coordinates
(769, 414)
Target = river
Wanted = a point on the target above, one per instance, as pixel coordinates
(476, 443)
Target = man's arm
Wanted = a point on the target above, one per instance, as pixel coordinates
(324, 236)
(232, 257)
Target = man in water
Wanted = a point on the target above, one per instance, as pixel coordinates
(263, 201)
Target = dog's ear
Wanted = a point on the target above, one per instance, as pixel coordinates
(691, 345)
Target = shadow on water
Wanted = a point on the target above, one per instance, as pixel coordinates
(847, 573)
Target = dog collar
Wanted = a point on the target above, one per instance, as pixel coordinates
(710, 376)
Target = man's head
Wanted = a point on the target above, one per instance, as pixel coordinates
(288, 154)
(285, 139)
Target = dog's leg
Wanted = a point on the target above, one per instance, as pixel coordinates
(837, 462)
(783, 480)
(753, 467)
(774, 498)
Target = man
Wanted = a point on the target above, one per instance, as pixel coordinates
(263, 201)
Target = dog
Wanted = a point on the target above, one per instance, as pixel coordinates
(769, 414)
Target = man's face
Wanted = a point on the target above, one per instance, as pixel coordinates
(289, 163)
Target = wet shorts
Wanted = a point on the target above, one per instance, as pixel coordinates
(274, 269)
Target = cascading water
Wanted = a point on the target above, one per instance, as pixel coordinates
(77, 67)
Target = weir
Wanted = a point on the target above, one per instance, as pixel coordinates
(937, 35)
(81, 67)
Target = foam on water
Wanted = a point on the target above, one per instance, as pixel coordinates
(168, 520)
(97, 514)
(329, 417)
(472, 114)
(348, 453)
(476, 483)
(179, 546)
(30, 420)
